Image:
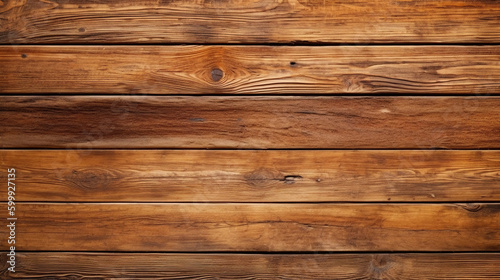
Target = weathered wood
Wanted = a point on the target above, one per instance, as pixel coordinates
(254, 266)
(253, 176)
(261, 21)
(250, 122)
(255, 227)
(250, 69)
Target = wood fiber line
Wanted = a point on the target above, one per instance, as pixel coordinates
(250, 70)
(255, 227)
(250, 266)
(262, 21)
(253, 176)
(250, 122)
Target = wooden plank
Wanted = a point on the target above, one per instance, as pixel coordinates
(260, 21)
(250, 122)
(255, 227)
(255, 266)
(250, 69)
(252, 176)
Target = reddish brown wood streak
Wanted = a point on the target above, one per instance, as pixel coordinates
(251, 122)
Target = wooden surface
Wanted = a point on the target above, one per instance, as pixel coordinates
(256, 266)
(250, 122)
(208, 227)
(254, 176)
(250, 69)
(251, 139)
(260, 21)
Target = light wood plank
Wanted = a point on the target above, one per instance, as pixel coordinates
(255, 227)
(252, 176)
(260, 21)
(255, 266)
(250, 122)
(250, 69)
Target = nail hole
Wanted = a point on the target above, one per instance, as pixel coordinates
(217, 74)
(24, 55)
(292, 63)
(81, 29)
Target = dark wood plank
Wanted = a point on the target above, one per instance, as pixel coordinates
(255, 227)
(250, 122)
(250, 69)
(254, 266)
(253, 176)
(262, 21)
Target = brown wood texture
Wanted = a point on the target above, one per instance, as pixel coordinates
(250, 122)
(204, 227)
(237, 21)
(250, 69)
(254, 266)
(253, 176)
(251, 139)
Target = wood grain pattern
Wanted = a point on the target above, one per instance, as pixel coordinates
(254, 266)
(250, 122)
(255, 227)
(261, 21)
(250, 69)
(338, 173)
(253, 176)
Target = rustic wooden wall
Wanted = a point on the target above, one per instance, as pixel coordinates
(238, 139)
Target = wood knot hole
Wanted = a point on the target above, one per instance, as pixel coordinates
(24, 55)
(217, 74)
(290, 179)
(81, 29)
(471, 207)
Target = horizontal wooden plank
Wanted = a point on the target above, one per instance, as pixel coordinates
(252, 176)
(255, 227)
(250, 69)
(260, 21)
(254, 266)
(249, 122)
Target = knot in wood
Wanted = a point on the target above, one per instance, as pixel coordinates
(90, 179)
(217, 74)
(471, 207)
